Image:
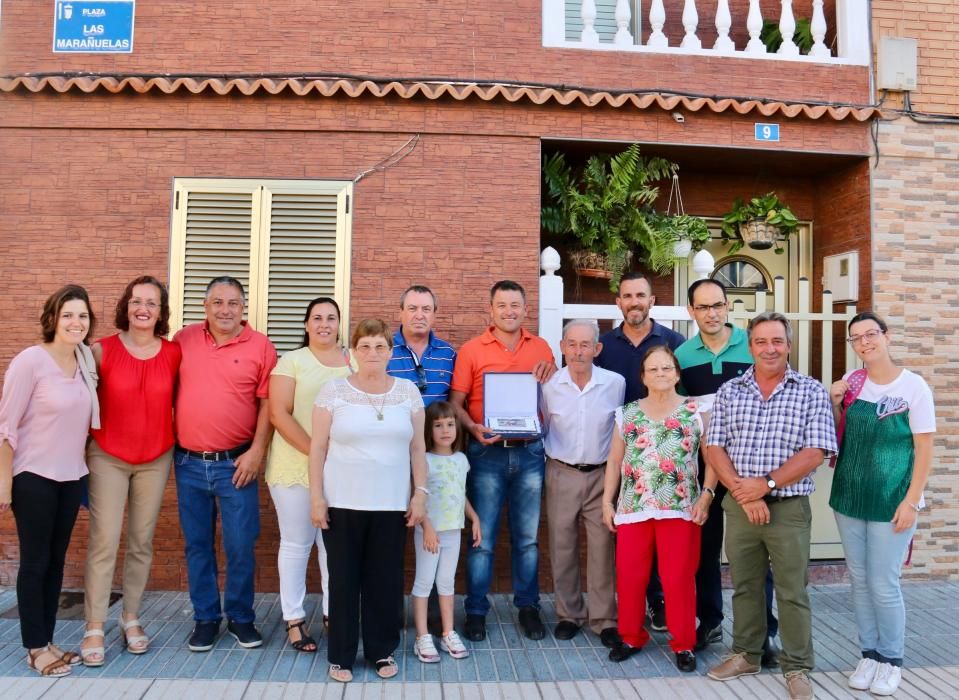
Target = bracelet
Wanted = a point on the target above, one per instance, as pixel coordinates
(710, 491)
(424, 490)
(915, 506)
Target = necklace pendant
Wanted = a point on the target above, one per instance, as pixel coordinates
(379, 416)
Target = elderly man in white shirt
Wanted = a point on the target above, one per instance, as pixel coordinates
(580, 401)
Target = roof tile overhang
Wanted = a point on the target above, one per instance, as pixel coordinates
(431, 90)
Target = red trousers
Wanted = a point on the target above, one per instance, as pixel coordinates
(675, 543)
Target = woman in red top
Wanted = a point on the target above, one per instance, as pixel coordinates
(129, 458)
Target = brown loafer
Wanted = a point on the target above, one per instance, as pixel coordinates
(733, 666)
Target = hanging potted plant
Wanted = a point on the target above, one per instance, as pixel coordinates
(675, 236)
(761, 223)
(604, 207)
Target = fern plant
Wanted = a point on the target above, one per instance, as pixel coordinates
(605, 206)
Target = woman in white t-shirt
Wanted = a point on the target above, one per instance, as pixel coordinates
(294, 384)
(367, 442)
(885, 456)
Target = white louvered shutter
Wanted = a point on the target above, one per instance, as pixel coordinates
(302, 260)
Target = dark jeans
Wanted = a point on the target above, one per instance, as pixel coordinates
(512, 476)
(709, 583)
(365, 554)
(45, 511)
(204, 488)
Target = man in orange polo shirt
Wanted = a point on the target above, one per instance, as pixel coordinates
(222, 432)
(502, 471)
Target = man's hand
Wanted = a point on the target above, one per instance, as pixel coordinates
(543, 370)
(480, 433)
(247, 467)
(757, 512)
(748, 489)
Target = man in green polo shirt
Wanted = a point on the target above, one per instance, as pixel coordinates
(717, 353)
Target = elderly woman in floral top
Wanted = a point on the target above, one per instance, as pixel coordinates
(652, 500)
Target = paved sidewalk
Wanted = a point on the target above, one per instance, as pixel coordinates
(506, 665)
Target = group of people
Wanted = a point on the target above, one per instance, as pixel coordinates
(650, 439)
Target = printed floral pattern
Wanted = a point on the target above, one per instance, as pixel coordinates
(659, 471)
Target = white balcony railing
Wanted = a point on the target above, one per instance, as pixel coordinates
(616, 25)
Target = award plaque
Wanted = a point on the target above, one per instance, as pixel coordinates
(511, 404)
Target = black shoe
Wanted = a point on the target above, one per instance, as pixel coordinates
(708, 635)
(657, 616)
(531, 624)
(610, 638)
(686, 661)
(770, 658)
(565, 629)
(475, 628)
(623, 651)
(245, 634)
(204, 636)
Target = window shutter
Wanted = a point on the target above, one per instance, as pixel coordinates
(302, 259)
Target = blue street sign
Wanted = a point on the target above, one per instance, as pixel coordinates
(767, 132)
(93, 26)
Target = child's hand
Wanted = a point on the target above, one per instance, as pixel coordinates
(477, 534)
(431, 541)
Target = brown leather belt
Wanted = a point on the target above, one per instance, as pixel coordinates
(585, 468)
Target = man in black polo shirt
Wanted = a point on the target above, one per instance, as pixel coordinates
(717, 353)
(623, 351)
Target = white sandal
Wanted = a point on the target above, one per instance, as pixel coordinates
(135, 639)
(87, 654)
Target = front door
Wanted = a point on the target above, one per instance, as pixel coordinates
(744, 274)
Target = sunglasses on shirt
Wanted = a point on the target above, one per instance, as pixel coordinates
(421, 382)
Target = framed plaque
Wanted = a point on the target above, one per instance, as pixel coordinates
(511, 404)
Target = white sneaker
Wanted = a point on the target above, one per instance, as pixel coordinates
(887, 680)
(454, 645)
(425, 650)
(862, 677)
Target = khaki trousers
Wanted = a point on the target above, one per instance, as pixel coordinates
(569, 494)
(113, 485)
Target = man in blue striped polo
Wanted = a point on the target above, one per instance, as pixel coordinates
(418, 355)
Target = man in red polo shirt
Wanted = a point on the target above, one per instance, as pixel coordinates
(222, 431)
(509, 471)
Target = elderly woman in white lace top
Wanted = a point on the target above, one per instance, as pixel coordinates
(367, 443)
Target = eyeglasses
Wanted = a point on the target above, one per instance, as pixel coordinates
(378, 349)
(666, 369)
(148, 305)
(868, 335)
(703, 308)
(421, 382)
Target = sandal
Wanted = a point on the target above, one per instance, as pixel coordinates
(340, 673)
(137, 639)
(93, 657)
(387, 668)
(55, 669)
(69, 657)
(305, 642)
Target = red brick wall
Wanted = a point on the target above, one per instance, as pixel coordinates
(389, 38)
(85, 196)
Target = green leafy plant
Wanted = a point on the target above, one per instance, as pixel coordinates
(772, 37)
(605, 205)
(767, 208)
(669, 230)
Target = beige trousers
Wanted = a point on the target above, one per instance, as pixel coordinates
(113, 485)
(569, 495)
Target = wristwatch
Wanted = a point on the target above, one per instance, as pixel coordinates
(771, 483)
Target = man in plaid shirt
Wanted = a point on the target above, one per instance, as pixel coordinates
(769, 430)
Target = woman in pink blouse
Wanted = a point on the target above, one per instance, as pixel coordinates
(46, 410)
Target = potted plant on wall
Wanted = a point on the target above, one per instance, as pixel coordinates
(605, 207)
(674, 238)
(761, 223)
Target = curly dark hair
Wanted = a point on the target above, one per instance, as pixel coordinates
(122, 318)
(54, 305)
